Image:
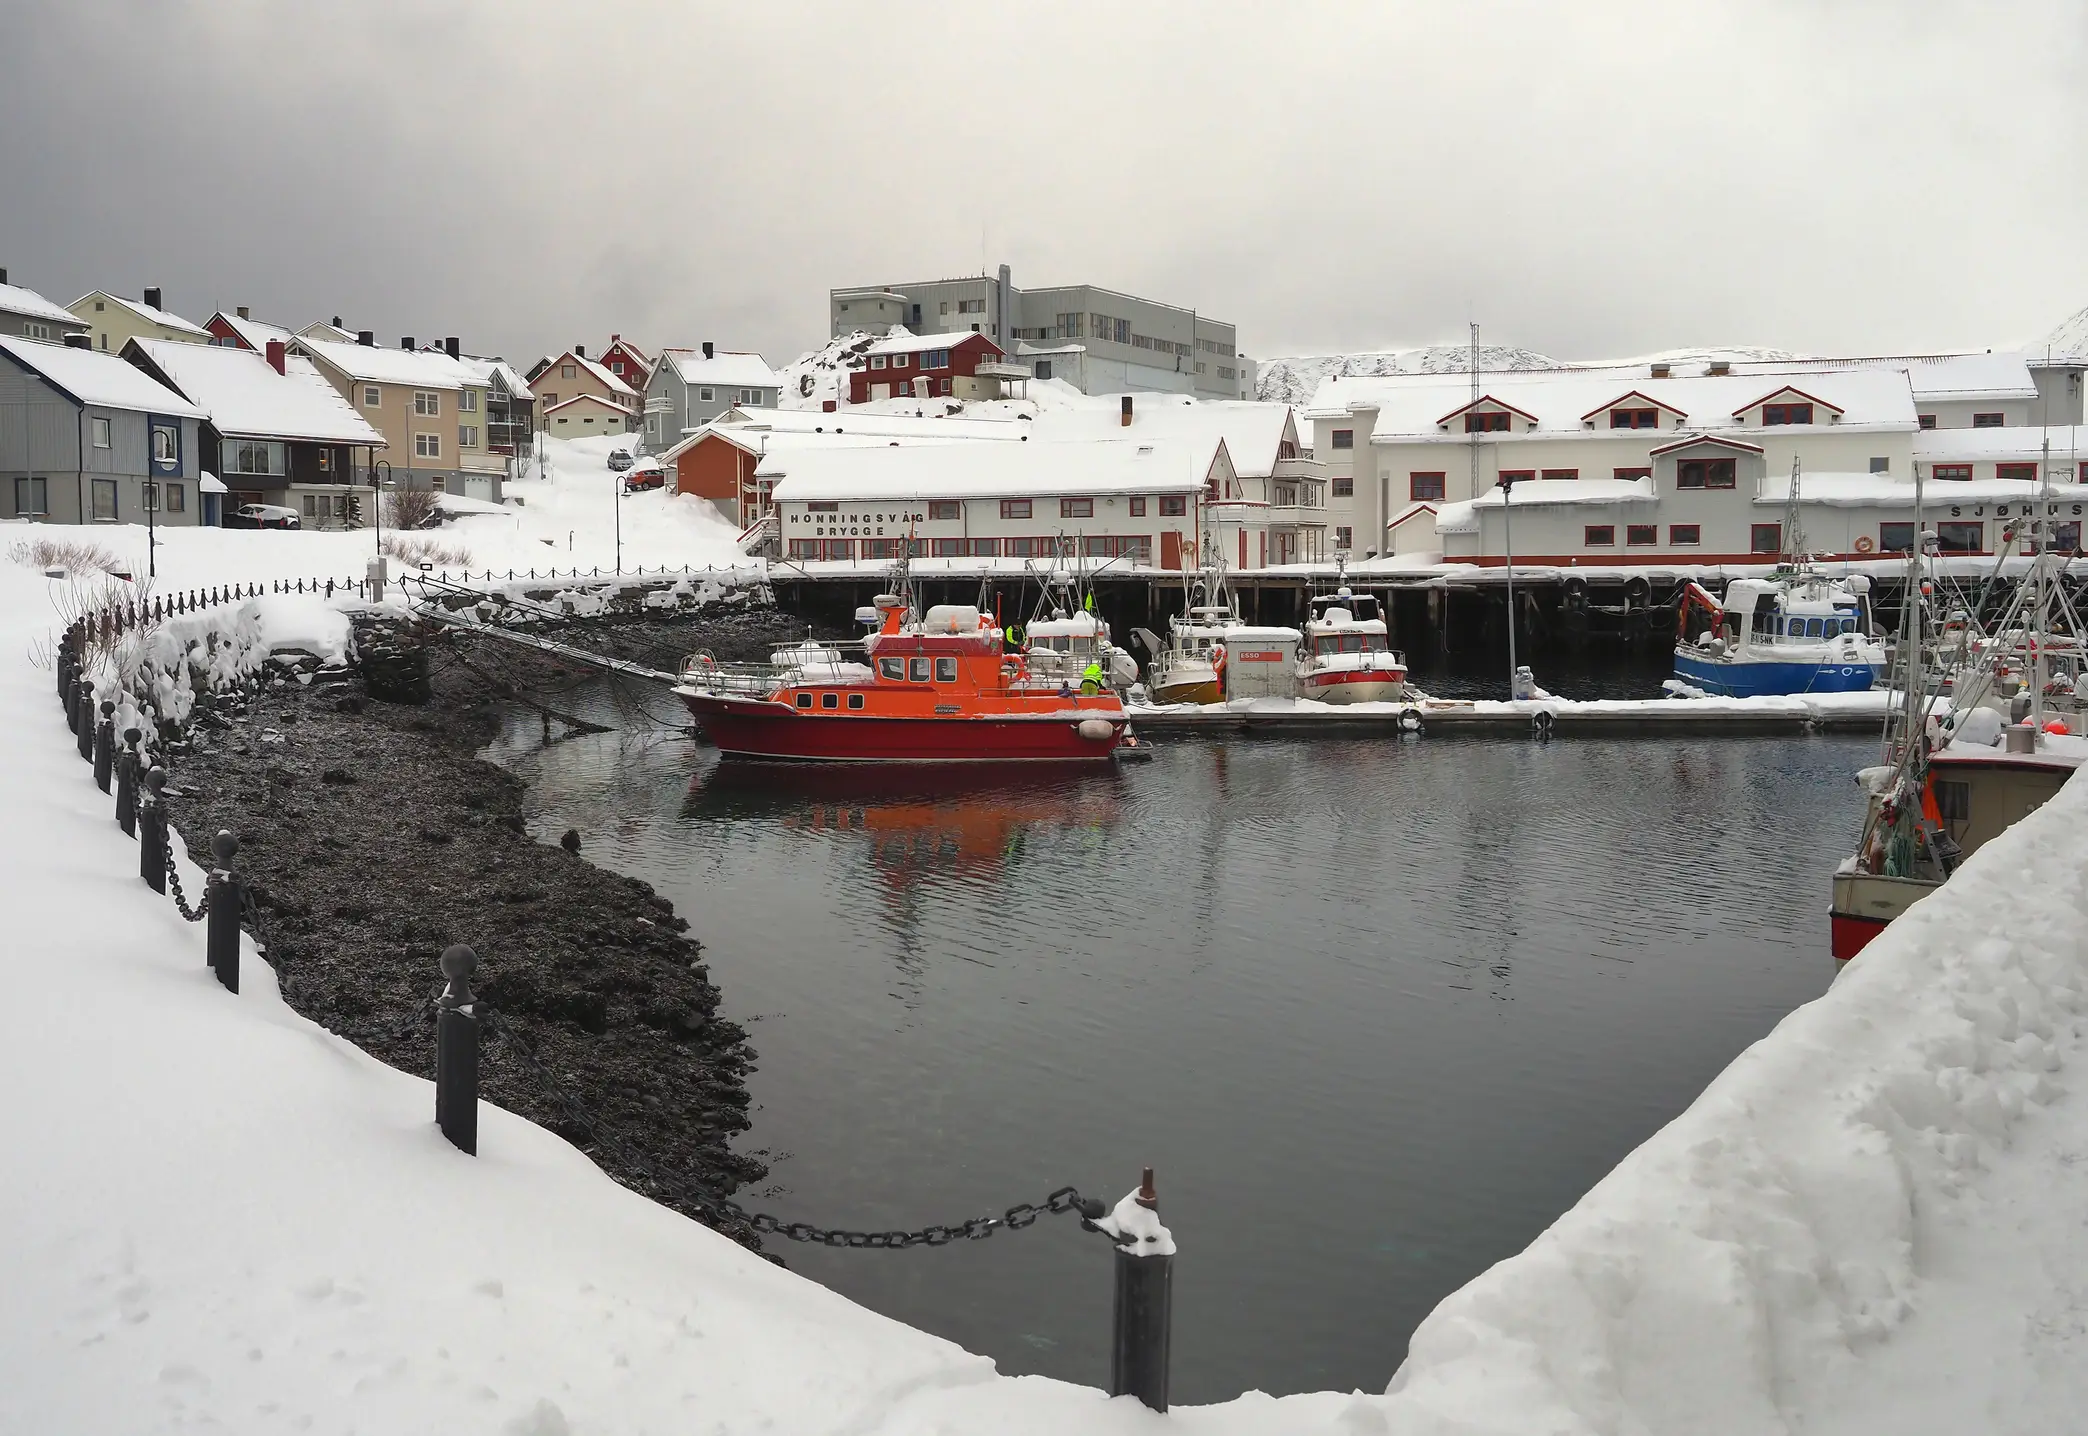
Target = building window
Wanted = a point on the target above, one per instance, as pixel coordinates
(1928, 421)
(837, 550)
(1895, 538)
(1138, 507)
(877, 361)
(104, 501)
(1136, 547)
(2066, 537)
(1634, 418)
(372, 396)
(427, 403)
(1629, 473)
(1598, 536)
(435, 485)
(429, 446)
(1344, 538)
(936, 359)
(34, 330)
(311, 506)
(971, 306)
(467, 401)
(652, 426)
(1026, 547)
(1765, 538)
(881, 548)
(1959, 473)
(948, 548)
(1173, 505)
(804, 548)
(1486, 423)
(1774, 414)
(1344, 488)
(1076, 508)
(1641, 535)
(1986, 421)
(1961, 538)
(549, 401)
(982, 548)
(825, 506)
(1020, 508)
(101, 433)
(898, 361)
(1560, 473)
(945, 509)
(1685, 535)
(1425, 488)
(1344, 439)
(2021, 473)
(467, 436)
(565, 371)
(616, 366)
(253, 456)
(1881, 466)
(31, 498)
(1704, 474)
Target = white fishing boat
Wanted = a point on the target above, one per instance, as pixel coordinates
(1348, 654)
(1066, 640)
(1211, 654)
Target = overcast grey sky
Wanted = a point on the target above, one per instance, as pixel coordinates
(1586, 178)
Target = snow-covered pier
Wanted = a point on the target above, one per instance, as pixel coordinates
(1290, 717)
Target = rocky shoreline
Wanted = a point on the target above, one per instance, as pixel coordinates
(377, 837)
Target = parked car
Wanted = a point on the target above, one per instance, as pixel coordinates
(619, 460)
(262, 516)
(647, 473)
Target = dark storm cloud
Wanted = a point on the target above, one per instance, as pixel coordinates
(1584, 179)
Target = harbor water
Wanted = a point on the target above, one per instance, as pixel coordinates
(1377, 1010)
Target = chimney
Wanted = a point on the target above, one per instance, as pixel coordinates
(1662, 371)
(337, 321)
(1720, 367)
(707, 351)
(367, 338)
(1126, 420)
(579, 351)
(78, 341)
(615, 339)
(450, 346)
(276, 351)
(3, 274)
(407, 342)
(152, 299)
(243, 312)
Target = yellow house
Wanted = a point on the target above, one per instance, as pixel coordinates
(114, 321)
(429, 406)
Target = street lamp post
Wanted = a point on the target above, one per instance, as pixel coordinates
(1508, 542)
(378, 482)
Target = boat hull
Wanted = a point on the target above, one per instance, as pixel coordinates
(773, 732)
(1757, 680)
(1194, 690)
(1355, 686)
(1864, 903)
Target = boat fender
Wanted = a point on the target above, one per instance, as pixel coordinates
(1409, 721)
(1864, 544)
(1096, 730)
(1541, 724)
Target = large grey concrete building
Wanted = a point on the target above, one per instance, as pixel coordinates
(1096, 339)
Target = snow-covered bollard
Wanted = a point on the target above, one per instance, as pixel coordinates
(105, 746)
(83, 722)
(127, 770)
(152, 831)
(225, 894)
(1144, 1296)
(457, 1052)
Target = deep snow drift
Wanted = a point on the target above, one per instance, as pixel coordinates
(221, 1217)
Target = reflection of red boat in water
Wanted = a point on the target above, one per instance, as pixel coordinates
(940, 690)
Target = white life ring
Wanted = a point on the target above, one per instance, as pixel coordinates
(1410, 721)
(1864, 544)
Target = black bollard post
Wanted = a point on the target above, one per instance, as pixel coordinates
(105, 746)
(226, 894)
(1144, 1297)
(127, 783)
(152, 831)
(71, 699)
(457, 1053)
(83, 728)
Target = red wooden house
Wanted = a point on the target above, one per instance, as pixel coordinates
(926, 365)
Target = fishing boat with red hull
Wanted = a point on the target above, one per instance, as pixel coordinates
(941, 689)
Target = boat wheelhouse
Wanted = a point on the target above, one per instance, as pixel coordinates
(1348, 655)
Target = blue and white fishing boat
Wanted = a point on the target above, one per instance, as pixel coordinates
(1797, 631)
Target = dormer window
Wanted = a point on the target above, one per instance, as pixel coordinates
(1634, 418)
(1774, 414)
(1486, 423)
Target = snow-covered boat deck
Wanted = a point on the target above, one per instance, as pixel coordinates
(1494, 717)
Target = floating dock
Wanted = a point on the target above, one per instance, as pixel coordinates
(1291, 718)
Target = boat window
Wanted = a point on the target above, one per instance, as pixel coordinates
(855, 700)
(1953, 801)
(830, 700)
(891, 668)
(917, 669)
(1797, 628)
(945, 670)
(1812, 628)
(804, 700)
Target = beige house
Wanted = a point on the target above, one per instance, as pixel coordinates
(430, 407)
(114, 321)
(584, 414)
(570, 376)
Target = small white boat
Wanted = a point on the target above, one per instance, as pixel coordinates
(1348, 652)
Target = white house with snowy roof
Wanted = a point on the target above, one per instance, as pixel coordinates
(25, 314)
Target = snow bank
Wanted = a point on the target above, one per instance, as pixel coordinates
(304, 622)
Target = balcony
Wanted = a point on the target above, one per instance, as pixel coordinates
(1299, 469)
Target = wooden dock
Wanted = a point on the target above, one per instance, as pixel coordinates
(1538, 718)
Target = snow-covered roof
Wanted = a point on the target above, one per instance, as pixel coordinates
(256, 334)
(1538, 493)
(1252, 431)
(165, 318)
(1865, 490)
(595, 399)
(949, 471)
(609, 381)
(727, 369)
(488, 369)
(427, 368)
(14, 299)
(243, 394)
(330, 332)
(1414, 407)
(901, 342)
(93, 377)
(211, 484)
(2016, 443)
(858, 419)
(763, 442)
(1931, 377)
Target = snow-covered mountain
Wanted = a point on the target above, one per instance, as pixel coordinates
(1292, 381)
(818, 374)
(2071, 338)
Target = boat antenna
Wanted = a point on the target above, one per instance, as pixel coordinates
(1794, 539)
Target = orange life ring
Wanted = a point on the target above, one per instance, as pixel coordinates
(1864, 544)
(1217, 658)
